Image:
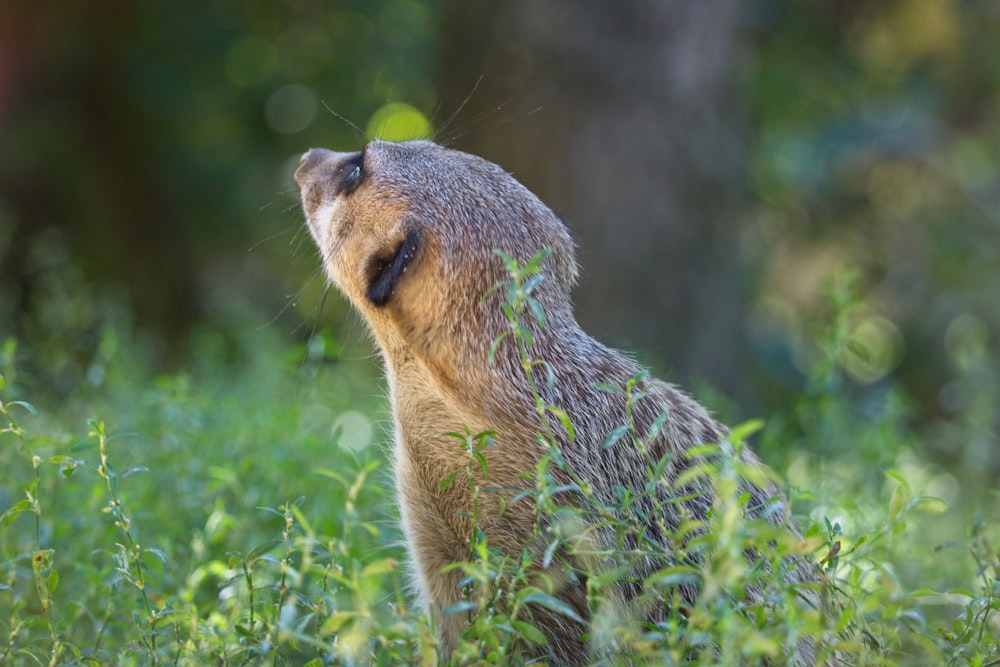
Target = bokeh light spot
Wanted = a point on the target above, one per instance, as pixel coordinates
(397, 121)
(291, 109)
(353, 430)
(876, 348)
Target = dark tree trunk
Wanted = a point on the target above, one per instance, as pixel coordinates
(638, 141)
(105, 189)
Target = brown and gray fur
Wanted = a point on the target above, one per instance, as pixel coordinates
(407, 232)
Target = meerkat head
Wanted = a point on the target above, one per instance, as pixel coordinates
(408, 232)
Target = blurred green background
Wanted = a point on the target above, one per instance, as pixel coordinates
(720, 164)
(790, 207)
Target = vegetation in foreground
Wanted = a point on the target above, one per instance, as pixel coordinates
(240, 515)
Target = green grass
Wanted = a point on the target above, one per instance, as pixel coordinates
(241, 513)
(209, 516)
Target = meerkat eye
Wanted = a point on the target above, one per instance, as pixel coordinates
(352, 173)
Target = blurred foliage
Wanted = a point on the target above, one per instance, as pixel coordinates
(208, 519)
(877, 132)
(239, 514)
(154, 271)
(152, 145)
(147, 150)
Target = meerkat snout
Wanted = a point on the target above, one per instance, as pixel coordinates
(313, 158)
(323, 174)
(308, 159)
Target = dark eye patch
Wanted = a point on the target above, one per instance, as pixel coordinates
(386, 272)
(351, 174)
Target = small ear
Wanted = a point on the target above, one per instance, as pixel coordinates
(386, 272)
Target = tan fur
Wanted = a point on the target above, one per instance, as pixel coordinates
(434, 330)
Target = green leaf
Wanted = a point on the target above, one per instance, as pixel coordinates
(552, 604)
(531, 283)
(379, 567)
(657, 426)
(931, 505)
(484, 464)
(335, 622)
(448, 479)
(614, 437)
(257, 552)
(244, 631)
(698, 451)
(162, 557)
(679, 575)
(608, 577)
(132, 471)
(963, 591)
(494, 346)
(27, 406)
(549, 553)
(523, 333)
(530, 632)
(459, 607)
(507, 259)
(332, 475)
(536, 311)
(948, 544)
(921, 592)
(21, 506)
(757, 644)
(491, 290)
(550, 373)
(899, 498)
(564, 419)
(69, 465)
(743, 431)
(534, 265)
(694, 474)
(167, 611)
(898, 477)
(83, 446)
(661, 466)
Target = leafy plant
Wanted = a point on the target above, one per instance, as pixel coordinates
(169, 542)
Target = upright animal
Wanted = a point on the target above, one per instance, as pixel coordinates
(408, 232)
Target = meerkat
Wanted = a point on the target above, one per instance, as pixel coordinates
(408, 232)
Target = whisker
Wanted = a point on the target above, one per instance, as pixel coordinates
(298, 242)
(477, 122)
(269, 238)
(291, 207)
(319, 310)
(445, 125)
(292, 300)
(361, 133)
(315, 327)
